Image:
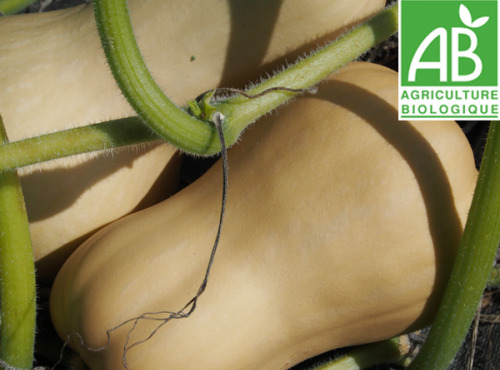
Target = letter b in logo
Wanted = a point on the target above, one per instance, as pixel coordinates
(457, 54)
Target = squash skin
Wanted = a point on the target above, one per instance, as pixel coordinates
(58, 78)
(341, 228)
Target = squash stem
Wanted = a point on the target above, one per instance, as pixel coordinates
(195, 135)
(17, 275)
(101, 136)
(472, 266)
(393, 350)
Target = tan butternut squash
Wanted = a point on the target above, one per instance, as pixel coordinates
(53, 76)
(341, 228)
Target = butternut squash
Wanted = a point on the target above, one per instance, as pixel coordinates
(54, 76)
(341, 229)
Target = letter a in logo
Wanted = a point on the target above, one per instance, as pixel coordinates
(442, 64)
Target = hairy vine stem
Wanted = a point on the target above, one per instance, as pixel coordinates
(8, 7)
(17, 274)
(197, 136)
(395, 350)
(472, 266)
(194, 135)
(86, 139)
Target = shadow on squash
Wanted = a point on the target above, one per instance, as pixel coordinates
(256, 32)
(429, 173)
(48, 266)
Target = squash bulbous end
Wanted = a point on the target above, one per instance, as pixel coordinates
(341, 228)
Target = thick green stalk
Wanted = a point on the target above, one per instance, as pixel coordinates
(8, 7)
(17, 275)
(106, 135)
(472, 266)
(138, 86)
(196, 136)
(392, 350)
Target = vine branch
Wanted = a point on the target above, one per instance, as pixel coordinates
(197, 136)
(86, 139)
(472, 266)
(17, 274)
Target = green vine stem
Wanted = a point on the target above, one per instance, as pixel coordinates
(472, 266)
(393, 350)
(240, 111)
(8, 7)
(138, 86)
(101, 136)
(17, 275)
(195, 135)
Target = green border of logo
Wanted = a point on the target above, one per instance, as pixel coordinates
(449, 59)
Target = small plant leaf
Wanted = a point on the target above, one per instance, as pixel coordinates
(465, 15)
(479, 22)
(466, 18)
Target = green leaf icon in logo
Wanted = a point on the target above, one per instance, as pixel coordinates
(466, 18)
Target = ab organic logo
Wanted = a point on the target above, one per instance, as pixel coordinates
(448, 59)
